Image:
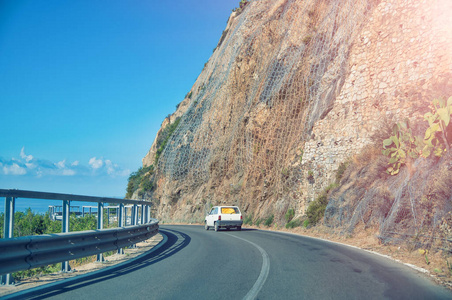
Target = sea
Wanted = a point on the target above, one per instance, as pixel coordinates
(40, 206)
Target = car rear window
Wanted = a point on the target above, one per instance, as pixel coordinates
(229, 210)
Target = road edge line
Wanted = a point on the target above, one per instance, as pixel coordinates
(252, 294)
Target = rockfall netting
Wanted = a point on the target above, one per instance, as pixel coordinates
(276, 71)
(414, 207)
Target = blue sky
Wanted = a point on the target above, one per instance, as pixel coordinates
(86, 84)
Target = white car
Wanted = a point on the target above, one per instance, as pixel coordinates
(224, 217)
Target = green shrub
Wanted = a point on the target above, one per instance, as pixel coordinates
(402, 145)
(248, 220)
(140, 179)
(289, 215)
(242, 5)
(435, 138)
(316, 209)
(399, 147)
(88, 222)
(37, 271)
(258, 222)
(305, 223)
(293, 223)
(269, 220)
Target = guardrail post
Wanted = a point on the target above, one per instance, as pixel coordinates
(135, 215)
(120, 223)
(9, 218)
(142, 214)
(65, 267)
(8, 227)
(100, 225)
(134, 219)
(149, 213)
(121, 215)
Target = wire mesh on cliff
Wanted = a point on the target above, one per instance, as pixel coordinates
(277, 70)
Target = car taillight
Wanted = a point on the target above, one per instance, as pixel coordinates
(219, 218)
(241, 217)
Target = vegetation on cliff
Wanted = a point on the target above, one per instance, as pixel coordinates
(402, 145)
(142, 179)
(164, 137)
(242, 5)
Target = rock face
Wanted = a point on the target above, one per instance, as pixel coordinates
(294, 88)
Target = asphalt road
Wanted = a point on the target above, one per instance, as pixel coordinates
(248, 264)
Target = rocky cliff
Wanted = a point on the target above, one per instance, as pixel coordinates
(294, 89)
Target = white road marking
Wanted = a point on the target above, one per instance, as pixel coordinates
(252, 294)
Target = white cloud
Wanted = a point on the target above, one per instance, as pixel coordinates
(14, 169)
(30, 165)
(96, 163)
(27, 158)
(110, 166)
(61, 164)
(68, 172)
(39, 168)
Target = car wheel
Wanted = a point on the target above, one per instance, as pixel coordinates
(216, 226)
(228, 228)
(206, 226)
(239, 228)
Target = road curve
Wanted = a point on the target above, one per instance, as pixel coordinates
(198, 264)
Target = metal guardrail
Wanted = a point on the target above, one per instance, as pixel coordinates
(23, 253)
(70, 197)
(29, 252)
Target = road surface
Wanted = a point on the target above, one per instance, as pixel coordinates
(250, 264)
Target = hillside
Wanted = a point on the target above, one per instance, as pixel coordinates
(299, 95)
